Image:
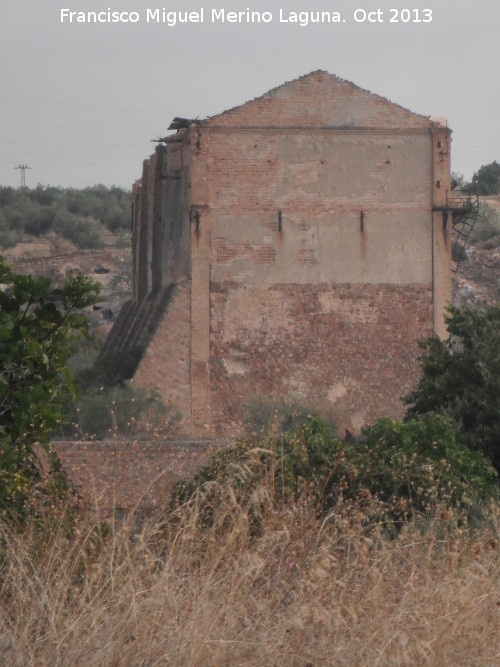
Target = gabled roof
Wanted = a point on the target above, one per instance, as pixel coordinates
(319, 99)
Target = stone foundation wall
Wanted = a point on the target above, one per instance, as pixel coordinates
(350, 347)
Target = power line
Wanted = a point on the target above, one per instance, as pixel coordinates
(75, 127)
(85, 106)
(95, 121)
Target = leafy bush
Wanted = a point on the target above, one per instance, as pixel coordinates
(110, 369)
(8, 237)
(83, 232)
(111, 206)
(486, 180)
(246, 476)
(399, 471)
(84, 356)
(110, 404)
(461, 378)
(39, 325)
(412, 469)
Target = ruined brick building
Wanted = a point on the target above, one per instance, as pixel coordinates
(297, 245)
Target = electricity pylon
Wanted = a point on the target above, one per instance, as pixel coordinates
(23, 168)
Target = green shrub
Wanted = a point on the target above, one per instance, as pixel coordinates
(414, 468)
(397, 472)
(83, 232)
(110, 369)
(8, 237)
(237, 477)
(84, 356)
(110, 205)
(461, 378)
(486, 180)
(75, 214)
(39, 326)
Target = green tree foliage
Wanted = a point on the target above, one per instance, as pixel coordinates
(8, 236)
(39, 325)
(414, 468)
(486, 180)
(298, 460)
(110, 369)
(83, 232)
(457, 180)
(77, 215)
(461, 378)
(109, 404)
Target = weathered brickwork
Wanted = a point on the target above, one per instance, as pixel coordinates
(351, 346)
(167, 358)
(305, 234)
(126, 475)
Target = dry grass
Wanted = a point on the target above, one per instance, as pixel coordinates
(305, 592)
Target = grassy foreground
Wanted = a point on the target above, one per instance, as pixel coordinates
(305, 591)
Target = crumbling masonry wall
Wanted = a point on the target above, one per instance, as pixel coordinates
(304, 238)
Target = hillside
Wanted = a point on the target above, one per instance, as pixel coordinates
(58, 258)
(477, 281)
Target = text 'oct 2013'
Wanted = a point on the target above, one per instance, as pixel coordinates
(302, 18)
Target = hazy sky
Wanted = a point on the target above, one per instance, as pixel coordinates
(80, 102)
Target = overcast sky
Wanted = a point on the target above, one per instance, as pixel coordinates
(80, 102)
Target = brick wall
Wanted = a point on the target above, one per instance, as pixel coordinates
(166, 364)
(320, 229)
(130, 474)
(352, 347)
(320, 99)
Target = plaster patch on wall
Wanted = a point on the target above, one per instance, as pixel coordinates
(337, 390)
(297, 387)
(358, 420)
(348, 309)
(255, 308)
(235, 367)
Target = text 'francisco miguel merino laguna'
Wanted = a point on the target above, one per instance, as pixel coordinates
(173, 18)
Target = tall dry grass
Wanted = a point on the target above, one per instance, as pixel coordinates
(303, 592)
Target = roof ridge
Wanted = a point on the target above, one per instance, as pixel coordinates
(306, 76)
